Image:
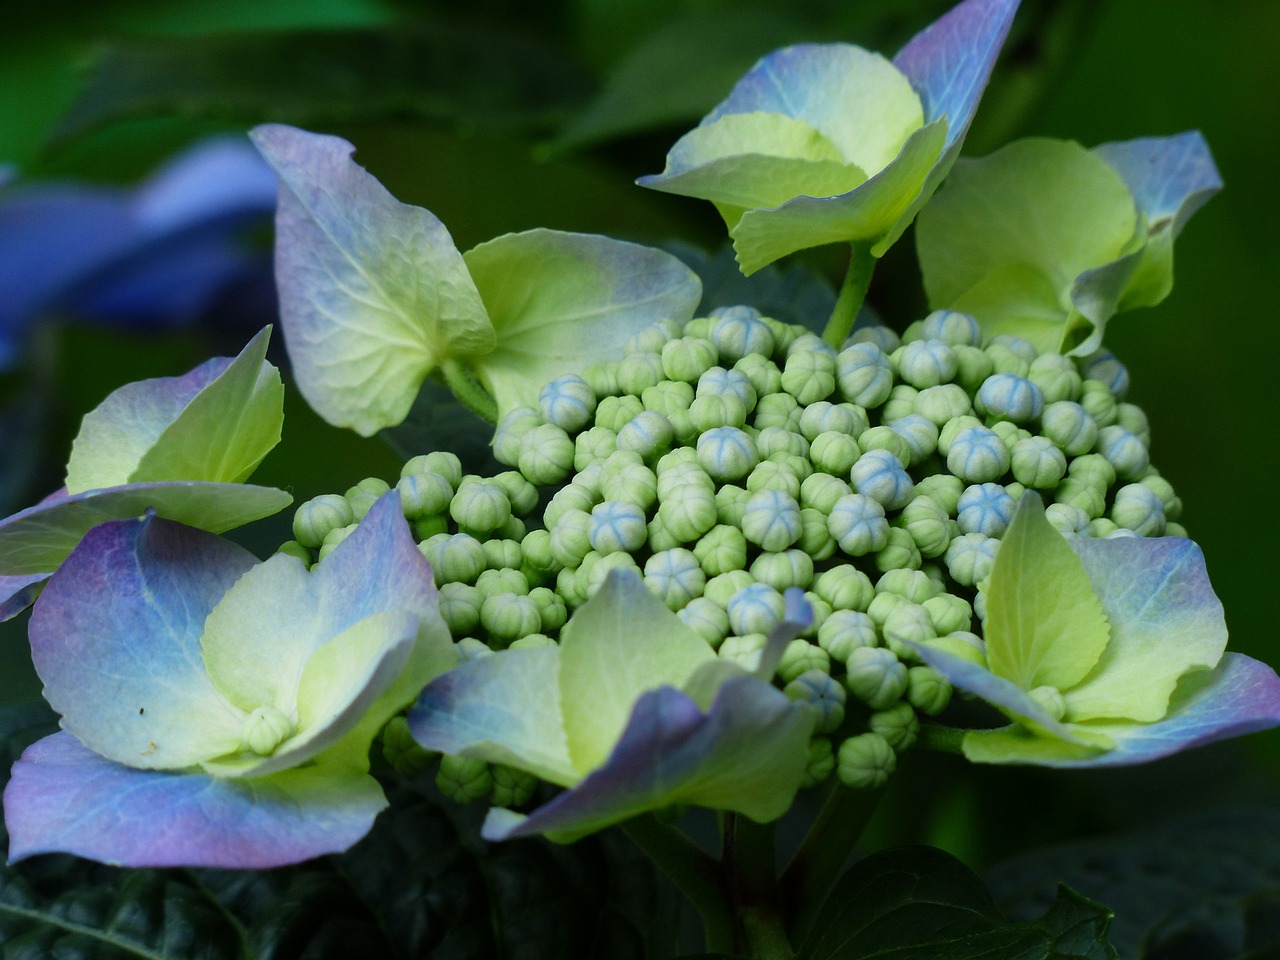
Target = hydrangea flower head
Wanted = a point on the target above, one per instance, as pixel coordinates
(217, 711)
(1104, 651)
(825, 143)
(180, 446)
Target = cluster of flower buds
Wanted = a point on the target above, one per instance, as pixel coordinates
(740, 456)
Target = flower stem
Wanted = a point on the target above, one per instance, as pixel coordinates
(852, 292)
(817, 865)
(695, 874)
(751, 865)
(469, 393)
(935, 736)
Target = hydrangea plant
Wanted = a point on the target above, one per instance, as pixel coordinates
(729, 561)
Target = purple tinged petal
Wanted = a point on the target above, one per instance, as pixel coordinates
(1170, 177)
(746, 754)
(18, 593)
(116, 640)
(1240, 696)
(64, 798)
(950, 61)
(504, 709)
(797, 616)
(218, 181)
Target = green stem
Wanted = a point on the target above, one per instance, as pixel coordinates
(817, 865)
(695, 874)
(751, 865)
(469, 393)
(852, 292)
(935, 736)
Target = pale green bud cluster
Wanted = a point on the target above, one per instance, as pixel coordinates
(741, 456)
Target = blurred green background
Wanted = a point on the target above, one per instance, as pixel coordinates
(473, 138)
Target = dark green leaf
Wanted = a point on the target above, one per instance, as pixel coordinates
(471, 80)
(1201, 887)
(918, 902)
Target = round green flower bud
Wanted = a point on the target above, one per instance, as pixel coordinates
(460, 607)
(674, 577)
(588, 479)
(681, 475)
(1163, 489)
(1067, 519)
(464, 779)
(639, 371)
(568, 402)
(738, 331)
(293, 548)
(1176, 530)
(845, 587)
(727, 453)
(821, 492)
(809, 376)
(602, 378)
(777, 410)
(502, 554)
(943, 489)
(723, 588)
(823, 416)
(1037, 462)
(668, 397)
(974, 366)
(1093, 468)
(1137, 508)
(913, 585)
(699, 327)
(614, 413)
(333, 538)
(876, 334)
(458, 559)
(617, 526)
(652, 338)
(1123, 451)
(440, 462)
(866, 762)
(1056, 376)
(567, 587)
(1070, 427)
(264, 730)
(491, 583)
(745, 650)
(985, 508)
(717, 410)
(777, 475)
(925, 363)
(926, 521)
(907, 623)
(721, 382)
(706, 618)
(1098, 400)
(636, 484)
(943, 403)
(787, 568)
(898, 725)
(801, 657)
(978, 455)
(571, 538)
(1005, 360)
(688, 358)
(771, 520)
(886, 439)
(880, 476)
(682, 428)
(815, 540)
(423, 495)
(596, 567)
(1050, 700)
(756, 608)
(921, 437)
(970, 558)
(426, 527)
(952, 429)
(571, 497)
(1103, 366)
(927, 690)
(815, 687)
(551, 608)
(1134, 419)
(469, 648)
(511, 787)
(881, 605)
(1088, 495)
(721, 549)
(592, 445)
(951, 327)
(822, 763)
(546, 455)
(900, 403)
(648, 433)
(318, 517)
(864, 374)
(761, 373)
(688, 512)
(509, 435)
(948, 613)
(481, 506)
(775, 443)
(522, 494)
(1004, 396)
(402, 751)
(845, 631)
(875, 676)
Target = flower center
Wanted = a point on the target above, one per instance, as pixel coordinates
(265, 729)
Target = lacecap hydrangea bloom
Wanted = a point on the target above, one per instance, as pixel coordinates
(825, 143)
(217, 711)
(723, 464)
(179, 446)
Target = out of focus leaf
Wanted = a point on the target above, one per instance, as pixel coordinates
(917, 902)
(455, 77)
(1201, 887)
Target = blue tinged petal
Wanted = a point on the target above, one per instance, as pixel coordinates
(222, 181)
(373, 292)
(1170, 177)
(747, 754)
(1165, 621)
(62, 797)
(116, 641)
(18, 593)
(504, 709)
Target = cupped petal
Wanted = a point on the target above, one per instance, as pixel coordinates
(1012, 232)
(373, 292)
(339, 683)
(39, 538)
(115, 638)
(226, 429)
(619, 644)
(258, 639)
(63, 797)
(116, 435)
(1045, 625)
(562, 301)
(504, 709)
(1165, 622)
(747, 754)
